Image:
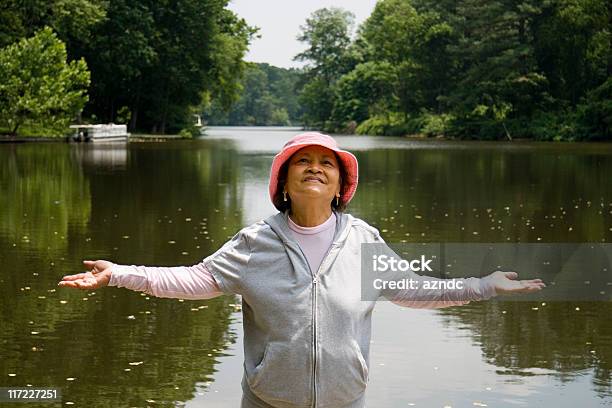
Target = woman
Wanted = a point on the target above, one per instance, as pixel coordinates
(306, 326)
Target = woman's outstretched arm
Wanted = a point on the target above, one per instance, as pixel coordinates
(471, 289)
(431, 293)
(182, 282)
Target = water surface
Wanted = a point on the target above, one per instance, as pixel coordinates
(173, 203)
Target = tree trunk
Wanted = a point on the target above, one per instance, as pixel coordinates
(507, 133)
(111, 113)
(162, 125)
(14, 131)
(135, 106)
(134, 118)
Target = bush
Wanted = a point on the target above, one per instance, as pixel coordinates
(594, 114)
(435, 124)
(397, 124)
(279, 117)
(552, 126)
(190, 131)
(124, 114)
(391, 124)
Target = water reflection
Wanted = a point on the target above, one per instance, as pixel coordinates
(466, 192)
(60, 204)
(566, 340)
(109, 156)
(173, 203)
(44, 196)
(455, 195)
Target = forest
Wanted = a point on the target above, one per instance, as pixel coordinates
(476, 69)
(468, 69)
(147, 63)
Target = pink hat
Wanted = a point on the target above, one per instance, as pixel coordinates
(349, 161)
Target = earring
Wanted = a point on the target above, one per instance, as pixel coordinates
(337, 203)
(284, 196)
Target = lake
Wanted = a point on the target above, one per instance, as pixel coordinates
(175, 202)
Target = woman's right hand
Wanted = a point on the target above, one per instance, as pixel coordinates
(97, 276)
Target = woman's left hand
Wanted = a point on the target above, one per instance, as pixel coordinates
(506, 283)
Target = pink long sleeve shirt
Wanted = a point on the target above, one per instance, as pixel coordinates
(196, 282)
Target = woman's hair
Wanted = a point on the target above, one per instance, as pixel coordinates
(282, 179)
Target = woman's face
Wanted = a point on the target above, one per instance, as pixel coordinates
(313, 173)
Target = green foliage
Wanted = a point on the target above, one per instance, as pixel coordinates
(167, 58)
(552, 126)
(416, 44)
(71, 19)
(228, 47)
(435, 124)
(156, 59)
(397, 124)
(392, 30)
(317, 98)
(595, 114)
(327, 35)
(267, 98)
(392, 124)
(123, 115)
(466, 68)
(38, 85)
(469, 69)
(189, 133)
(366, 90)
(280, 117)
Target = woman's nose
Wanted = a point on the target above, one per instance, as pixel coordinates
(314, 168)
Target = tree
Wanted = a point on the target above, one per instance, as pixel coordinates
(229, 46)
(500, 77)
(161, 59)
(467, 68)
(282, 84)
(595, 113)
(38, 85)
(70, 19)
(582, 60)
(317, 98)
(514, 64)
(365, 91)
(267, 97)
(188, 59)
(120, 55)
(327, 33)
(415, 44)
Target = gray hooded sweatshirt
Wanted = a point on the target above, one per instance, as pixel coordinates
(306, 333)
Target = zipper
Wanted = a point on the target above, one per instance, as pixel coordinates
(315, 281)
(314, 340)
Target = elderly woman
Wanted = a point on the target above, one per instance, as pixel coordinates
(306, 327)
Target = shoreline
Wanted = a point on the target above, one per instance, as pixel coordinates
(28, 139)
(141, 137)
(67, 139)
